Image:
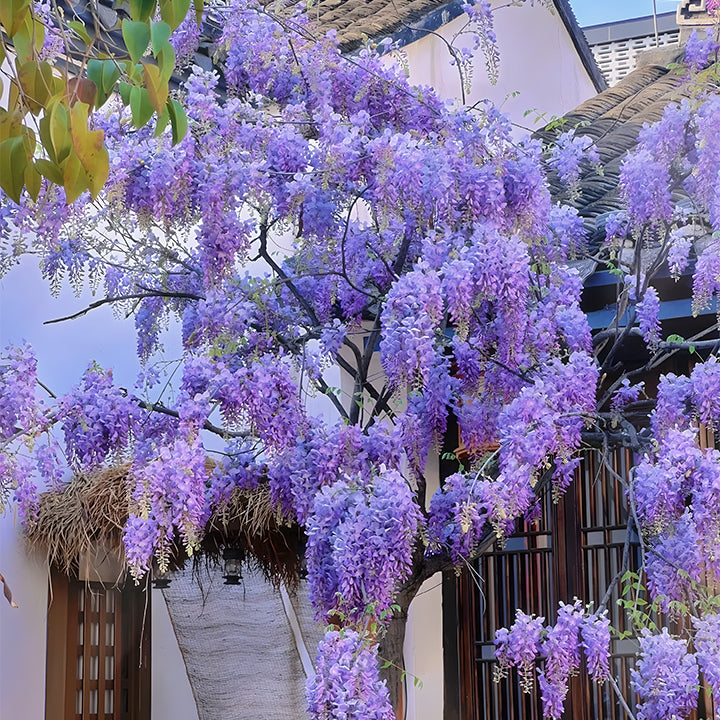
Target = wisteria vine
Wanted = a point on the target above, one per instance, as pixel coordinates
(322, 213)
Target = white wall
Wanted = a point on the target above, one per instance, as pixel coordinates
(172, 697)
(22, 629)
(537, 60)
(424, 652)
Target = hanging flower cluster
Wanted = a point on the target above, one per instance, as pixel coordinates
(361, 539)
(347, 682)
(560, 645)
(666, 679)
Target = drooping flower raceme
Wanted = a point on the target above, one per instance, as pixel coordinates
(18, 374)
(568, 152)
(595, 633)
(458, 515)
(666, 679)
(170, 498)
(361, 537)
(528, 640)
(347, 683)
(674, 563)
(707, 650)
(648, 311)
(97, 419)
(519, 647)
(561, 649)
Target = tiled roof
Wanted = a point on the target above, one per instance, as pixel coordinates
(613, 119)
(356, 19)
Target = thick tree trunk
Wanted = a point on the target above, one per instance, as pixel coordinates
(391, 650)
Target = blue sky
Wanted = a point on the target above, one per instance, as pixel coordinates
(593, 12)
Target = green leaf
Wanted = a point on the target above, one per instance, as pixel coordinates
(110, 75)
(78, 27)
(142, 10)
(33, 181)
(104, 73)
(137, 37)
(37, 82)
(13, 161)
(159, 35)
(157, 87)
(125, 89)
(173, 12)
(140, 106)
(178, 120)
(162, 121)
(50, 170)
(166, 62)
(29, 37)
(46, 139)
(12, 14)
(59, 127)
(199, 4)
(135, 73)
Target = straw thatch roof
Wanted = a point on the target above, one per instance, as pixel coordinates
(90, 512)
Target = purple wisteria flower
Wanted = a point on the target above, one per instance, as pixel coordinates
(347, 682)
(561, 649)
(458, 515)
(18, 375)
(698, 50)
(707, 651)
(648, 312)
(519, 647)
(666, 678)
(568, 153)
(595, 633)
(626, 394)
(674, 563)
(361, 537)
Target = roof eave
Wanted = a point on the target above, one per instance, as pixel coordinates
(581, 44)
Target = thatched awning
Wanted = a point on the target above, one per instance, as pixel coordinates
(91, 510)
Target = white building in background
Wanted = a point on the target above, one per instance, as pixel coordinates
(546, 69)
(616, 45)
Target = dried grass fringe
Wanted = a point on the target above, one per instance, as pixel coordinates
(91, 510)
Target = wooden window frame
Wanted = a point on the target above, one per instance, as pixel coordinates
(130, 654)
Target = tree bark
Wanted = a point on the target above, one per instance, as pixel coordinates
(391, 650)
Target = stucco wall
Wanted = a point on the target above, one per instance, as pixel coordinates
(538, 61)
(22, 629)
